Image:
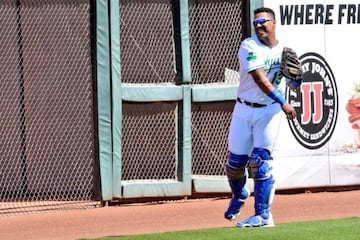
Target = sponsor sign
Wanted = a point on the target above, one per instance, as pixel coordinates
(323, 142)
(316, 103)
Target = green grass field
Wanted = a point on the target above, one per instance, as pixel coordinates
(341, 229)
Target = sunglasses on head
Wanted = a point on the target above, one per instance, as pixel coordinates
(261, 21)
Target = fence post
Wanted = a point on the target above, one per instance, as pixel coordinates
(103, 98)
(116, 95)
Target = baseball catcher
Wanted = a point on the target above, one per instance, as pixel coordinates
(257, 112)
(290, 67)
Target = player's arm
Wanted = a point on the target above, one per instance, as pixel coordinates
(262, 81)
(265, 85)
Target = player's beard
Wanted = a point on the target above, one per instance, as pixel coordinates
(262, 34)
(266, 37)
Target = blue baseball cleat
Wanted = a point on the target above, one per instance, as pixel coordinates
(235, 205)
(256, 221)
(233, 210)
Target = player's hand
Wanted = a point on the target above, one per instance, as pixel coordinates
(289, 111)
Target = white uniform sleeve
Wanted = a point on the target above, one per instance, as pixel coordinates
(249, 56)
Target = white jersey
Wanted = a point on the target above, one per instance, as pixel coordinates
(253, 55)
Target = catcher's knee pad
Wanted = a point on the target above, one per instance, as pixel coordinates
(260, 164)
(236, 166)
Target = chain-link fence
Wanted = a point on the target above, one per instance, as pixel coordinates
(149, 140)
(210, 122)
(47, 140)
(146, 41)
(48, 137)
(216, 31)
(147, 56)
(149, 130)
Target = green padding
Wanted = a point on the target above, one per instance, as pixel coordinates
(185, 40)
(254, 4)
(158, 188)
(187, 155)
(151, 92)
(205, 184)
(116, 95)
(214, 92)
(104, 100)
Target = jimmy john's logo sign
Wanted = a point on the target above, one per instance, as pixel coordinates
(316, 103)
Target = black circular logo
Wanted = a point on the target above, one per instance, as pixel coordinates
(315, 102)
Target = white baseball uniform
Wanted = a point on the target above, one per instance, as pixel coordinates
(256, 126)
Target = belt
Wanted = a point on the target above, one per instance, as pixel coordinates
(252, 104)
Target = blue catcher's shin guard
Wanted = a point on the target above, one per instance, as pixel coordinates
(261, 170)
(263, 193)
(236, 173)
